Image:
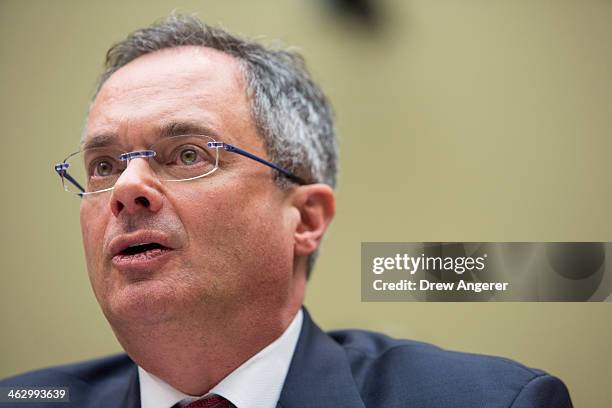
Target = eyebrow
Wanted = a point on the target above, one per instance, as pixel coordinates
(169, 129)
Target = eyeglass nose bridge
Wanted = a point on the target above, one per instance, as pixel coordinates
(137, 154)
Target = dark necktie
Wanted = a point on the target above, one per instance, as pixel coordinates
(214, 401)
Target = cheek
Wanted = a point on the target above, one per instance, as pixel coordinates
(240, 231)
(93, 215)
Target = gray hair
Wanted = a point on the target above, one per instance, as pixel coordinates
(290, 111)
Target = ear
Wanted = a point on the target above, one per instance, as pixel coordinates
(316, 205)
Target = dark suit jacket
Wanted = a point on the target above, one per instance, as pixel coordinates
(347, 368)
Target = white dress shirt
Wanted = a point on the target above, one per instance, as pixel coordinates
(257, 383)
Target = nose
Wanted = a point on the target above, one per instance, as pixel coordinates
(137, 189)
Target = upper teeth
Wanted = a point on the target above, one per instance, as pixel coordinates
(135, 245)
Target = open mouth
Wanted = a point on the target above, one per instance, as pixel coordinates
(140, 253)
(141, 248)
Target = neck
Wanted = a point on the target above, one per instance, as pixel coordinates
(195, 354)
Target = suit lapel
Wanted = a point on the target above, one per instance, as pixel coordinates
(130, 395)
(319, 374)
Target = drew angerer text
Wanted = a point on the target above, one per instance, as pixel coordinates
(424, 285)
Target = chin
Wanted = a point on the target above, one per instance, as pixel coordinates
(142, 302)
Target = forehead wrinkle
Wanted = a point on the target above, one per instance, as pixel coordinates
(115, 105)
(165, 115)
(164, 129)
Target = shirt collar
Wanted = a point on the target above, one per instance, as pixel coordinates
(256, 383)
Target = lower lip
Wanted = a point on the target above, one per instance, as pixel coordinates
(141, 262)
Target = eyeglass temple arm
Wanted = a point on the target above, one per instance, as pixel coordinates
(62, 171)
(231, 148)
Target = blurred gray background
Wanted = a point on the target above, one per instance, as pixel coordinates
(459, 121)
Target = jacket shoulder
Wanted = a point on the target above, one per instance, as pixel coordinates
(395, 372)
(88, 372)
(89, 382)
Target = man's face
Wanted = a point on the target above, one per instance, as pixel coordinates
(229, 234)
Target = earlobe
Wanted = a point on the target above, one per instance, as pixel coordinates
(316, 205)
